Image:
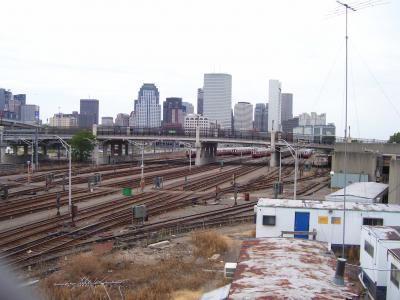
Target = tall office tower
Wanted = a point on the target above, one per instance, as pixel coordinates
(287, 107)
(261, 117)
(5, 97)
(88, 113)
(21, 98)
(107, 121)
(243, 116)
(217, 103)
(173, 111)
(30, 114)
(311, 120)
(289, 125)
(200, 99)
(274, 107)
(147, 107)
(122, 120)
(188, 107)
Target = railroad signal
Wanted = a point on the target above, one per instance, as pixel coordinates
(58, 203)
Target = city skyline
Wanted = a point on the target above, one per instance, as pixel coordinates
(308, 61)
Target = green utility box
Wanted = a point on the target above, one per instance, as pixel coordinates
(127, 191)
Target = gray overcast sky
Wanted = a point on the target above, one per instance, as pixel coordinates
(58, 52)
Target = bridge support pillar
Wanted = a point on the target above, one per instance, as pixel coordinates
(206, 153)
(113, 149)
(96, 154)
(119, 152)
(126, 148)
(273, 160)
(2, 145)
(44, 150)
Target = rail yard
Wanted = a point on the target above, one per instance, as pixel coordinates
(37, 228)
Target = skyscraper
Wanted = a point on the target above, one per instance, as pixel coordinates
(122, 120)
(88, 113)
(287, 107)
(243, 116)
(274, 107)
(188, 107)
(21, 98)
(30, 114)
(173, 112)
(261, 117)
(217, 103)
(147, 107)
(200, 99)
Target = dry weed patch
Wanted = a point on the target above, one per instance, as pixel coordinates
(143, 282)
(208, 243)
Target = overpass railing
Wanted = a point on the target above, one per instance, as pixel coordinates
(249, 135)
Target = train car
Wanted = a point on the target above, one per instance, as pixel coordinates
(235, 151)
(240, 151)
(192, 152)
(306, 153)
(320, 161)
(260, 152)
(225, 151)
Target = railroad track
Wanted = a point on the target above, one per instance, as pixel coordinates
(117, 214)
(46, 202)
(57, 247)
(166, 174)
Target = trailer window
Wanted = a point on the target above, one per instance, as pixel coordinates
(269, 220)
(373, 221)
(369, 248)
(394, 275)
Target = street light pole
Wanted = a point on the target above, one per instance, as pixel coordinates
(293, 152)
(69, 179)
(142, 166)
(280, 165)
(68, 148)
(190, 159)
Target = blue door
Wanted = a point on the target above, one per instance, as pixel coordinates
(301, 223)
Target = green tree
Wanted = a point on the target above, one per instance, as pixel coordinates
(82, 145)
(395, 138)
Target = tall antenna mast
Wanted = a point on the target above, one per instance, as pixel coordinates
(347, 7)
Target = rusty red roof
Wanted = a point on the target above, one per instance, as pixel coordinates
(286, 268)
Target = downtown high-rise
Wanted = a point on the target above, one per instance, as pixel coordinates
(217, 102)
(243, 116)
(275, 105)
(88, 113)
(147, 107)
(286, 107)
(200, 100)
(261, 117)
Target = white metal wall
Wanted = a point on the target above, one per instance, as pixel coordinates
(392, 292)
(379, 260)
(330, 233)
